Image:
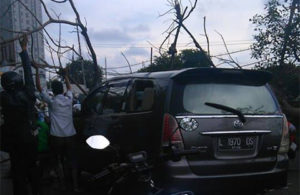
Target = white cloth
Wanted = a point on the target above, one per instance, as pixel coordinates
(61, 115)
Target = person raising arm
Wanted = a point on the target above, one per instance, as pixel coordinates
(62, 131)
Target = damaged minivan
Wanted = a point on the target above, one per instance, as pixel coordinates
(230, 115)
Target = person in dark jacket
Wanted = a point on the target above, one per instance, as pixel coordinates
(19, 131)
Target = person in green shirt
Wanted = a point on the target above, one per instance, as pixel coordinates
(43, 136)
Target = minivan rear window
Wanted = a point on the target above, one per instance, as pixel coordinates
(245, 98)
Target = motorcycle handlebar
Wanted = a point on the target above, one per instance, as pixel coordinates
(109, 169)
(165, 157)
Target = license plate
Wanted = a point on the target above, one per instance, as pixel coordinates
(237, 142)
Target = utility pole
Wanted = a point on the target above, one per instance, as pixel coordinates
(81, 59)
(105, 62)
(151, 55)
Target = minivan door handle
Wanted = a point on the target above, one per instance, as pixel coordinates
(216, 133)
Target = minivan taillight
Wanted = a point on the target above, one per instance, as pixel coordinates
(171, 132)
(285, 138)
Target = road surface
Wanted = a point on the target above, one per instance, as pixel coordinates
(50, 188)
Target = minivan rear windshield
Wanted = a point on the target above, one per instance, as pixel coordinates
(245, 98)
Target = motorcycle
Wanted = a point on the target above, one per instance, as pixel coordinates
(134, 175)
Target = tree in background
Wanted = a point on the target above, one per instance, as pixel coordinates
(75, 71)
(185, 59)
(277, 34)
(277, 48)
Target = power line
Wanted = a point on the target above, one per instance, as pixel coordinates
(180, 46)
(245, 65)
(252, 63)
(212, 42)
(118, 67)
(140, 63)
(140, 45)
(233, 52)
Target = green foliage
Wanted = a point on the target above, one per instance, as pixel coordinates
(286, 80)
(75, 71)
(285, 84)
(270, 34)
(187, 58)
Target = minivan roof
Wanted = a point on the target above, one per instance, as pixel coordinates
(254, 76)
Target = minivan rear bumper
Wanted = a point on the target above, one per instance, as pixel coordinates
(180, 177)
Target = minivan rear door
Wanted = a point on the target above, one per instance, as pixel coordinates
(228, 145)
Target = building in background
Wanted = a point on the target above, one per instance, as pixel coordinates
(14, 17)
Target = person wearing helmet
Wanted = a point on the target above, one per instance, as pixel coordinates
(19, 130)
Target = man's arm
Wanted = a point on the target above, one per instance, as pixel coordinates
(68, 85)
(29, 85)
(37, 78)
(43, 93)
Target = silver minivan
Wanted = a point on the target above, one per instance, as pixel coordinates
(234, 119)
(230, 115)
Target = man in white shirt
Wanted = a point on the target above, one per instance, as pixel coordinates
(62, 131)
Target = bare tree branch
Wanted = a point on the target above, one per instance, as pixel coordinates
(152, 45)
(198, 46)
(50, 50)
(226, 61)
(52, 20)
(191, 10)
(45, 9)
(57, 15)
(46, 65)
(38, 29)
(127, 62)
(32, 41)
(61, 1)
(233, 61)
(181, 16)
(165, 13)
(79, 86)
(59, 48)
(169, 29)
(295, 54)
(88, 42)
(167, 37)
(287, 31)
(206, 36)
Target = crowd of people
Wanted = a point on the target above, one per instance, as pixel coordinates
(28, 130)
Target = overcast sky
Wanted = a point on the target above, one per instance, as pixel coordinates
(129, 26)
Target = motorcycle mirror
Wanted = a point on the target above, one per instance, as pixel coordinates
(98, 142)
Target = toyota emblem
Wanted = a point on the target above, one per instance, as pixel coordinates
(237, 124)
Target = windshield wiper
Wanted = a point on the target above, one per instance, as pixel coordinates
(228, 109)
